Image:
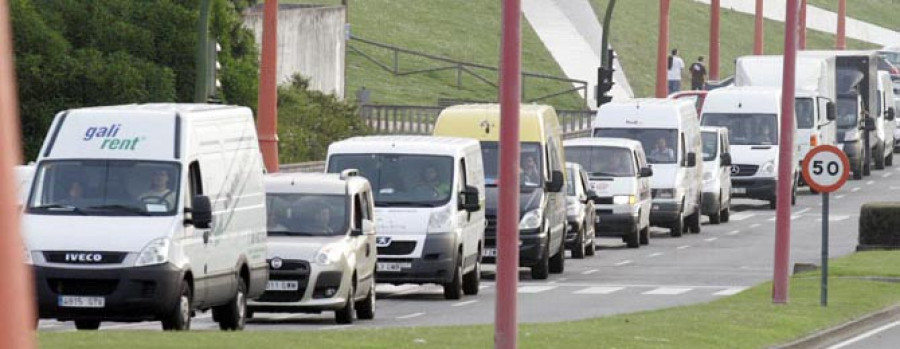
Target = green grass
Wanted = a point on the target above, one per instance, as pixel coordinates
(634, 31)
(468, 31)
(747, 320)
(880, 12)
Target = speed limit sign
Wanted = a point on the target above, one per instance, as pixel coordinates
(826, 168)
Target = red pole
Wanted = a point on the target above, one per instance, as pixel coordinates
(841, 43)
(758, 29)
(267, 120)
(16, 319)
(802, 41)
(506, 328)
(785, 159)
(662, 48)
(715, 15)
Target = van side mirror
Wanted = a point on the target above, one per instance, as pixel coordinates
(890, 114)
(646, 172)
(868, 124)
(726, 160)
(469, 199)
(201, 211)
(830, 111)
(691, 160)
(556, 182)
(592, 196)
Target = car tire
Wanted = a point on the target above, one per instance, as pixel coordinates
(541, 271)
(87, 325)
(716, 218)
(590, 249)
(365, 309)
(632, 238)
(472, 280)
(645, 236)
(453, 289)
(694, 222)
(232, 316)
(889, 161)
(179, 318)
(867, 169)
(344, 316)
(879, 158)
(794, 195)
(726, 214)
(558, 262)
(578, 248)
(677, 228)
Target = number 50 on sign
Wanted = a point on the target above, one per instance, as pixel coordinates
(826, 168)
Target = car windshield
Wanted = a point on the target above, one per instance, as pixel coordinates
(710, 145)
(891, 56)
(602, 161)
(846, 112)
(531, 174)
(106, 188)
(401, 179)
(803, 107)
(746, 129)
(662, 143)
(307, 214)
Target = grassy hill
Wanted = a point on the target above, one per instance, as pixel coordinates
(634, 30)
(885, 13)
(462, 30)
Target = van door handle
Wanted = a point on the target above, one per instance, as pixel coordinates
(206, 237)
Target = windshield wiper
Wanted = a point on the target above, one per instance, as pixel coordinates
(603, 174)
(403, 204)
(59, 207)
(125, 208)
(291, 233)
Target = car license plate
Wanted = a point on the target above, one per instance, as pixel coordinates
(489, 252)
(739, 190)
(81, 302)
(393, 267)
(278, 285)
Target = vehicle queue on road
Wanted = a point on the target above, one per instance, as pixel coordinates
(154, 212)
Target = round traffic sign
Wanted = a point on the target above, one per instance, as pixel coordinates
(826, 168)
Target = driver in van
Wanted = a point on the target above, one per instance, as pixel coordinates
(322, 220)
(159, 192)
(765, 135)
(662, 151)
(618, 165)
(74, 195)
(529, 172)
(431, 184)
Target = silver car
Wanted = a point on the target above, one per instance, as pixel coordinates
(579, 211)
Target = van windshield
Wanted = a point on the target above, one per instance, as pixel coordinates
(106, 188)
(307, 214)
(846, 109)
(401, 179)
(803, 107)
(530, 164)
(662, 143)
(746, 129)
(602, 161)
(710, 145)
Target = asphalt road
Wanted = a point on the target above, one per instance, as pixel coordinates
(722, 260)
(884, 337)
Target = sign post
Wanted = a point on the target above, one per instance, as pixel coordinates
(826, 169)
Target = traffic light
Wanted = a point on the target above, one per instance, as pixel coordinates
(604, 85)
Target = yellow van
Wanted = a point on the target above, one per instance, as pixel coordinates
(542, 204)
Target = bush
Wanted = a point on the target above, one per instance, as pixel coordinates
(879, 226)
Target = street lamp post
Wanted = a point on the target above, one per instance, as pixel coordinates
(662, 48)
(714, 18)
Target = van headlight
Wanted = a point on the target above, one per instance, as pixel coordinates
(531, 220)
(28, 259)
(156, 252)
(852, 135)
(439, 220)
(768, 168)
(328, 254)
(623, 200)
(665, 194)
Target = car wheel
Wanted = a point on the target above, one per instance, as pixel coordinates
(87, 325)
(645, 236)
(179, 318)
(365, 309)
(677, 228)
(541, 271)
(889, 161)
(472, 280)
(716, 218)
(632, 238)
(694, 222)
(344, 315)
(453, 289)
(589, 248)
(558, 262)
(726, 214)
(232, 316)
(578, 248)
(879, 158)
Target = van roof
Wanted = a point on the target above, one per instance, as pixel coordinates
(647, 111)
(759, 99)
(162, 108)
(312, 183)
(482, 122)
(603, 142)
(435, 145)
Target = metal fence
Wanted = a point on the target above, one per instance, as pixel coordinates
(419, 120)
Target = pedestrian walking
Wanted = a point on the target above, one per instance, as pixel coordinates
(674, 75)
(698, 74)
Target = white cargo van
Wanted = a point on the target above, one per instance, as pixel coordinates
(717, 174)
(429, 206)
(620, 178)
(148, 212)
(885, 128)
(669, 131)
(752, 116)
(321, 246)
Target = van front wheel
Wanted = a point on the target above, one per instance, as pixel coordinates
(179, 318)
(678, 226)
(558, 262)
(541, 271)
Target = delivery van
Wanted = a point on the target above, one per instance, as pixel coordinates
(542, 200)
(717, 174)
(148, 213)
(429, 207)
(669, 131)
(885, 128)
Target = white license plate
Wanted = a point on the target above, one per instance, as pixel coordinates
(393, 266)
(81, 302)
(489, 252)
(739, 190)
(278, 285)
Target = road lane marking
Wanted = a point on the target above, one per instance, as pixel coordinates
(870, 182)
(627, 261)
(735, 232)
(710, 239)
(652, 255)
(730, 291)
(683, 247)
(535, 289)
(856, 189)
(840, 196)
(834, 218)
(599, 290)
(409, 316)
(741, 216)
(460, 304)
(589, 272)
(668, 291)
(805, 210)
(754, 225)
(886, 175)
(865, 335)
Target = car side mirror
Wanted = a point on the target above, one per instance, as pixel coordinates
(592, 196)
(830, 111)
(469, 199)
(201, 212)
(646, 172)
(691, 160)
(868, 124)
(890, 114)
(556, 182)
(726, 160)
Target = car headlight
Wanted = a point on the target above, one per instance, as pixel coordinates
(28, 259)
(328, 254)
(665, 194)
(623, 200)
(531, 220)
(768, 168)
(156, 252)
(439, 220)
(852, 135)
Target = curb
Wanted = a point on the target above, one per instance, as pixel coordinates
(844, 331)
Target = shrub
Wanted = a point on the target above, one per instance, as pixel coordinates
(879, 226)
